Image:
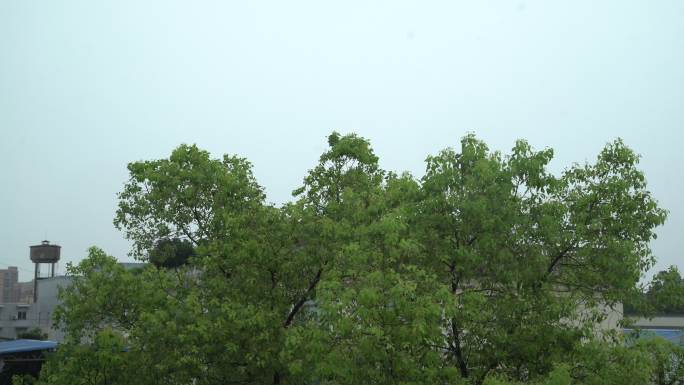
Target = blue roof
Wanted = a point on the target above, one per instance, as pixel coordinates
(672, 335)
(18, 346)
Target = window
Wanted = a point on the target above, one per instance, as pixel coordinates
(21, 315)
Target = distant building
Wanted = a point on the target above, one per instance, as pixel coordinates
(16, 318)
(12, 291)
(9, 288)
(30, 305)
(25, 292)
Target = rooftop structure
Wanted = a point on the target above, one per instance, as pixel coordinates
(43, 254)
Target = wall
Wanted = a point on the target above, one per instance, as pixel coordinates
(38, 314)
(662, 322)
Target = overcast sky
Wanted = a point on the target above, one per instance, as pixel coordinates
(88, 86)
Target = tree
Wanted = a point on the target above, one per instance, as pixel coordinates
(33, 334)
(666, 292)
(667, 360)
(171, 253)
(185, 197)
(103, 361)
(664, 295)
(488, 268)
(521, 250)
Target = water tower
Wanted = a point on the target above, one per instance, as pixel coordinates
(43, 254)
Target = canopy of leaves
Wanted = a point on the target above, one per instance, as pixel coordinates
(488, 268)
(664, 295)
(33, 334)
(171, 253)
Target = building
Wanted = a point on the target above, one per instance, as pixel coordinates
(16, 318)
(25, 292)
(667, 326)
(46, 302)
(9, 288)
(12, 291)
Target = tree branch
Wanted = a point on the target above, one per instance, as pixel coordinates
(298, 305)
(557, 259)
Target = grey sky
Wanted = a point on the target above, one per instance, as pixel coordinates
(88, 86)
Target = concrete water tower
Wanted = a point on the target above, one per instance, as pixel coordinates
(43, 254)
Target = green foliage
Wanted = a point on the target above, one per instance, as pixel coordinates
(560, 375)
(102, 361)
(488, 269)
(666, 359)
(23, 380)
(33, 334)
(603, 364)
(666, 292)
(184, 197)
(171, 253)
(664, 295)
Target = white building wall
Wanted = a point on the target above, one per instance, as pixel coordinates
(661, 322)
(15, 318)
(46, 303)
(18, 317)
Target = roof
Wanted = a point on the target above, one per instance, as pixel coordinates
(18, 346)
(132, 265)
(673, 335)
